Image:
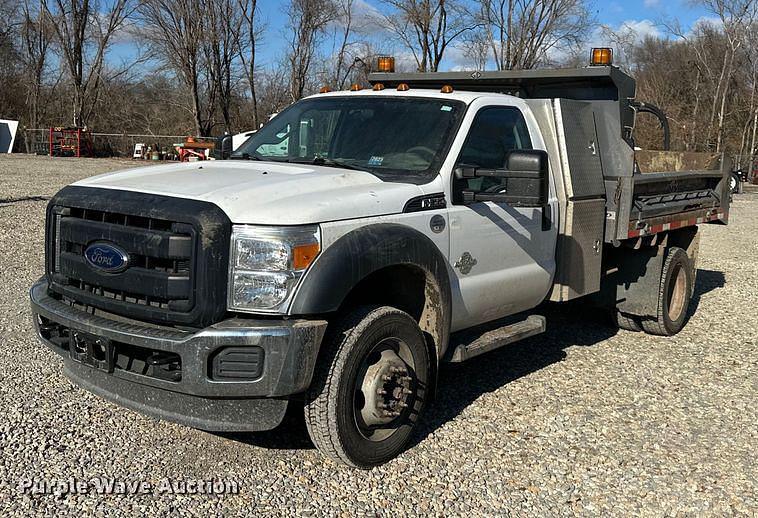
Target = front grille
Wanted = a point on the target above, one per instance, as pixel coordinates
(177, 251)
(160, 258)
(119, 295)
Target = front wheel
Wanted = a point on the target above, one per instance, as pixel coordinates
(369, 388)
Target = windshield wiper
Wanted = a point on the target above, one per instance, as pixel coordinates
(328, 162)
(243, 156)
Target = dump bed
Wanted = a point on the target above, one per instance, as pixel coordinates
(604, 195)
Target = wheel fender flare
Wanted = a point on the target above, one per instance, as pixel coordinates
(361, 252)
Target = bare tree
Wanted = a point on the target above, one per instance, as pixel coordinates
(36, 36)
(9, 59)
(223, 24)
(175, 30)
(525, 33)
(308, 20)
(428, 27)
(736, 17)
(343, 34)
(247, 42)
(84, 30)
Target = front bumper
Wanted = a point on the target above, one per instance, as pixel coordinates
(174, 374)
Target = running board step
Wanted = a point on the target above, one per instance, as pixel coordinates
(480, 343)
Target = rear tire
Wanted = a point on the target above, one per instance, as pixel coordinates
(674, 295)
(369, 388)
(627, 322)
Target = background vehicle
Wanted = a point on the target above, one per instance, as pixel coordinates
(360, 239)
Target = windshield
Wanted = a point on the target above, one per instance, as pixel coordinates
(397, 139)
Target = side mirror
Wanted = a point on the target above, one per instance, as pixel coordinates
(223, 149)
(525, 178)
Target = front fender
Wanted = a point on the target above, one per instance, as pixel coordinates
(363, 251)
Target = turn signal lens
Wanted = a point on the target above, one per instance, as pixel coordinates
(601, 56)
(403, 87)
(385, 64)
(446, 89)
(303, 255)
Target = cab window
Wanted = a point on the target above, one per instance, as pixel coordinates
(496, 130)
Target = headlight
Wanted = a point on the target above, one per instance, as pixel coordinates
(266, 264)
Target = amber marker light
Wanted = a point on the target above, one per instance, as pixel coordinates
(378, 87)
(602, 56)
(403, 87)
(325, 90)
(446, 89)
(385, 64)
(355, 87)
(303, 255)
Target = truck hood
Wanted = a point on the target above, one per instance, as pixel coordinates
(267, 193)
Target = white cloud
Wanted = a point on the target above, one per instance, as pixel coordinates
(639, 28)
(456, 59)
(714, 21)
(649, 4)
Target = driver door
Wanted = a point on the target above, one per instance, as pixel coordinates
(502, 257)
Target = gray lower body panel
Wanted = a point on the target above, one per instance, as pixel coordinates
(216, 415)
(193, 378)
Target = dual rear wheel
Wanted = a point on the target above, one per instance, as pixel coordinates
(675, 289)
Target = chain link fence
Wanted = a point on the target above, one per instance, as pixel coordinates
(37, 141)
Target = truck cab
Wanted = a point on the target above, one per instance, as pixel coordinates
(358, 240)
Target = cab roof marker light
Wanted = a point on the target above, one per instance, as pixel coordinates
(446, 89)
(403, 87)
(324, 90)
(378, 87)
(355, 87)
(385, 64)
(601, 56)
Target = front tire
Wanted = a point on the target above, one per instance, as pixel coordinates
(369, 388)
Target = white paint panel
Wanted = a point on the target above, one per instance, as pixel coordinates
(7, 135)
(268, 193)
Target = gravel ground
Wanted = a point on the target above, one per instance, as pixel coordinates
(581, 420)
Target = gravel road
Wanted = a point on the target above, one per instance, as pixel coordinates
(584, 419)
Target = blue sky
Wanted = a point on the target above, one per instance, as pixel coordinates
(642, 16)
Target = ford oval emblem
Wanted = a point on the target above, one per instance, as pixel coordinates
(106, 257)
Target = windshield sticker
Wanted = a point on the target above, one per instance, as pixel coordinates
(446, 108)
(375, 160)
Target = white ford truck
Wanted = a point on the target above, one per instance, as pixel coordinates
(361, 238)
